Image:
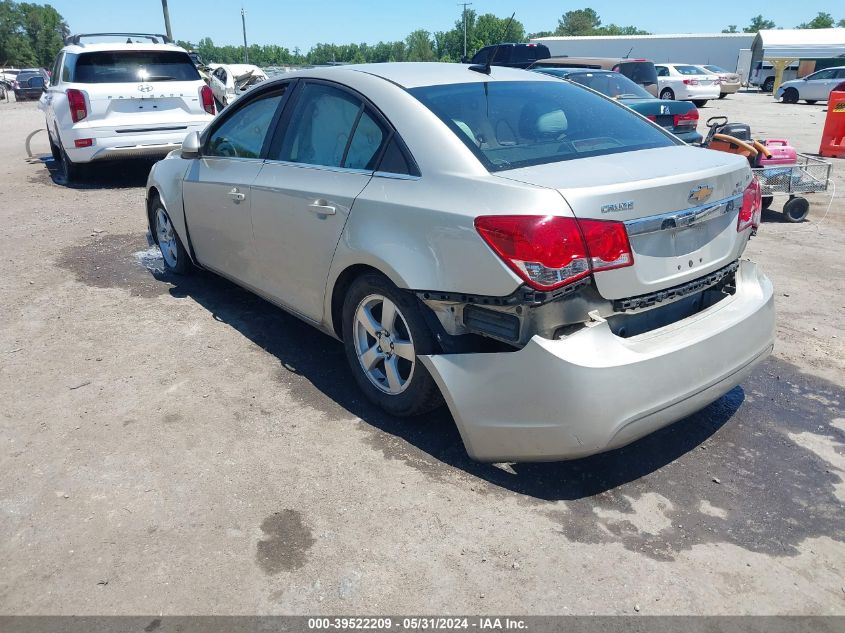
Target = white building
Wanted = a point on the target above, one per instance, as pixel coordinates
(720, 49)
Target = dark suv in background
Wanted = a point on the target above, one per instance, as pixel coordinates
(512, 55)
(30, 83)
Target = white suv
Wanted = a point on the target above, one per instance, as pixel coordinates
(137, 97)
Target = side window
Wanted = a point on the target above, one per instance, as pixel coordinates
(394, 160)
(320, 127)
(503, 55)
(56, 75)
(481, 56)
(662, 71)
(840, 74)
(242, 134)
(366, 142)
(824, 74)
(67, 66)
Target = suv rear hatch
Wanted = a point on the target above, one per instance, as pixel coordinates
(680, 207)
(139, 90)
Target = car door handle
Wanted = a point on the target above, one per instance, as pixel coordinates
(321, 207)
(236, 195)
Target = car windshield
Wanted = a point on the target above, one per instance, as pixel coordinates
(690, 70)
(612, 85)
(512, 124)
(107, 67)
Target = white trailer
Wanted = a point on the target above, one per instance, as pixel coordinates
(719, 49)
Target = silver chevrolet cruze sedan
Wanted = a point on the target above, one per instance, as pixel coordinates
(561, 272)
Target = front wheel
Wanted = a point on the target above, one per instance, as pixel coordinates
(667, 94)
(811, 101)
(175, 256)
(722, 95)
(699, 103)
(384, 332)
(768, 85)
(790, 96)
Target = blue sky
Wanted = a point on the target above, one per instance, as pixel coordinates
(303, 24)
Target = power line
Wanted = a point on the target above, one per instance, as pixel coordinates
(465, 5)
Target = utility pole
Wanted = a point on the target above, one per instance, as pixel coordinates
(465, 5)
(243, 21)
(166, 20)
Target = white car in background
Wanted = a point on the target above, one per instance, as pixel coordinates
(812, 88)
(730, 82)
(134, 96)
(686, 82)
(229, 81)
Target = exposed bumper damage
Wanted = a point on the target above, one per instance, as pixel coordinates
(600, 387)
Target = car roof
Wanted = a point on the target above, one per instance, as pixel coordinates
(97, 47)
(417, 74)
(570, 70)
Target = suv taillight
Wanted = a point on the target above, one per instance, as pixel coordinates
(76, 102)
(751, 211)
(550, 251)
(688, 119)
(207, 98)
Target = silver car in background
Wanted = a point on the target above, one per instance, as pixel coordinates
(564, 274)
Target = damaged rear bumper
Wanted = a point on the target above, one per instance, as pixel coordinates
(593, 391)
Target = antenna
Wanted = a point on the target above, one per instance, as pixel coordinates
(628, 54)
(485, 69)
(243, 22)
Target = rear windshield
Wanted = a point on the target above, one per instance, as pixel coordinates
(107, 67)
(512, 124)
(611, 85)
(690, 70)
(643, 73)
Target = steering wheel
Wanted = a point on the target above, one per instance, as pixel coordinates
(714, 121)
(226, 147)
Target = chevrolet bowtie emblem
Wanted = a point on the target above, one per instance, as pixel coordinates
(700, 193)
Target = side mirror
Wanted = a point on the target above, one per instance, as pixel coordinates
(191, 146)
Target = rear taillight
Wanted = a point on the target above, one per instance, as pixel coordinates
(651, 117)
(688, 119)
(550, 251)
(207, 98)
(76, 102)
(752, 207)
(691, 82)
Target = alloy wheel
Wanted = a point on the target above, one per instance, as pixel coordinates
(166, 238)
(383, 344)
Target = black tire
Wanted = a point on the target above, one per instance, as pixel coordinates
(72, 172)
(790, 95)
(217, 104)
(768, 85)
(176, 259)
(667, 94)
(700, 103)
(767, 201)
(811, 101)
(420, 394)
(796, 209)
(54, 149)
(722, 95)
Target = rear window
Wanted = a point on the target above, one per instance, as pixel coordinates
(513, 124)
(522, 54)
(107, 67)
(643, 73)
(611, 85)
(690, 70)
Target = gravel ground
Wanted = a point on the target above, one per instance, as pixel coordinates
(179, 446)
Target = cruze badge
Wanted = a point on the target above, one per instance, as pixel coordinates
(617, 206)
(700, 193)
(145, 87)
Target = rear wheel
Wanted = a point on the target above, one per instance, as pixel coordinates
(71, 171)
(699, 103)
(667, 94)
(54, 149)
(796, 209)
(767, 201)
(175, 256)
(768, 85)
(722, 95)
(811, 101)
(384, 333)
(790, 95)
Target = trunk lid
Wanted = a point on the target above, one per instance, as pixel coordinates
(679, 205)
(129, 107)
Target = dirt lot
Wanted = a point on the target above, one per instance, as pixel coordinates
(179, 446)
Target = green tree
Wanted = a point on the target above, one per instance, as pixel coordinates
(578, 22)
(30, 34)
(841, 23)
(420, 46)
(731, 29)
(759, 23)
(821, 21)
